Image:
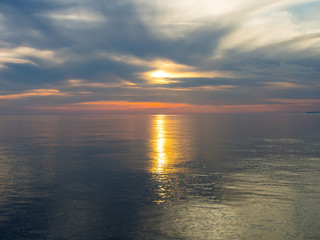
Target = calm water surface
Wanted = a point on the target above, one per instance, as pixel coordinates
(160, 177)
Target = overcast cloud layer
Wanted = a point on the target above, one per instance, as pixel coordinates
(159, 56)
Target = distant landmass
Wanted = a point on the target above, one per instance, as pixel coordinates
(313, 112)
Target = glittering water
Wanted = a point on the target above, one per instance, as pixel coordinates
(160, 177)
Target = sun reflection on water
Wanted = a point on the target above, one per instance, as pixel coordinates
(162, 157)
(160, 144)
(168, 143)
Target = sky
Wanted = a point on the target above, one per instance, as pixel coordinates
(159, 56)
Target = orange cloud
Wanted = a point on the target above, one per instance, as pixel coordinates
(32, 93)
(168, 108)
(115, 106)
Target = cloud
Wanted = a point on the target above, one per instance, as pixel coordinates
(76, 14)
(27, 55)
(33, 93)
(202, 52)
(168, 108)
(296, 101)
(284, 85)
(83, 83)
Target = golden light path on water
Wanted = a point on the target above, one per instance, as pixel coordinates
(160, 141)
(165, 142)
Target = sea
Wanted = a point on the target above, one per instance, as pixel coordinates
(186, 177)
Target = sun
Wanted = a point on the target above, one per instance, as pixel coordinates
(160, 74)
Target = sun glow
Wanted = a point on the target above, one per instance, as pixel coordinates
(161, 77)
(160, 74)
